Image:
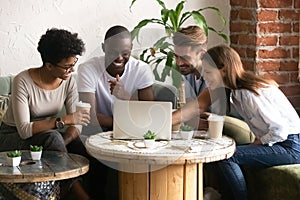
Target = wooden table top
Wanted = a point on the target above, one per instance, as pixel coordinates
(103, 146)
(53, 166)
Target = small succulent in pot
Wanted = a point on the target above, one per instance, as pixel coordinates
(13, 154)
(185, 127)
(14, 158)
(149, 135)
(36, 152)
(149, 139)
(36, 148)
(186, 132)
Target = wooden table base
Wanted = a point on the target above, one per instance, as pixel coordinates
(173, 182)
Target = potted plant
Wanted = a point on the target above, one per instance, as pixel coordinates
(186, 132)
(149, 138)
(36, 152)
(172, 20)
(14, 157)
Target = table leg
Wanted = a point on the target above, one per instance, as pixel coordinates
(174, 182)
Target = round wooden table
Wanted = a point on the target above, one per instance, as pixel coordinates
(171, 170)
(53, 166)
(36, 180)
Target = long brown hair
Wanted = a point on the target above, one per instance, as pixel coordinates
(235, 77)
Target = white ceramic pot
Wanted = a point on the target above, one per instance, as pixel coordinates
(149, 143)
(36, 155)
(186, 135)
(14, 161)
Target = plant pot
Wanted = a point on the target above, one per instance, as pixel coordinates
(187, 135)
(14, 161)
(36, 155)
(149, 142)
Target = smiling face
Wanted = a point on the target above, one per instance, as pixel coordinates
(188, 59)
(64, 68)
(117, 53)
(212, 75)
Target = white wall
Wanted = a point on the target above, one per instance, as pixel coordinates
(22, 22)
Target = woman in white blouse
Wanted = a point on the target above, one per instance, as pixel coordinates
(260, 102)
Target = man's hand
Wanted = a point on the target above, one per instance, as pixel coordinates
(117, 89)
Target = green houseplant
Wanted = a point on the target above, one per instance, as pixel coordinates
(186, 132)
(36, 148)
(172, 20)
(185, 127)
(36, 152)
(14, 157)
(149, 135)
(13, 154)
(149, 139)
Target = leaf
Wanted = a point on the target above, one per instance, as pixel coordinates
(174, 19)
(179, 8)
(136, 30)
(200, 21)
(218, 12)
(224, 36)
(164, 15)
(161, 3)
(132, 2)
(184, 17)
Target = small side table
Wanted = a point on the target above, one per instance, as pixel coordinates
(45, 173)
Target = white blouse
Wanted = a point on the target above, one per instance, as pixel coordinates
(270, 116)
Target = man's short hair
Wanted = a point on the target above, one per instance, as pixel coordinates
(192, 36)
(117, 31)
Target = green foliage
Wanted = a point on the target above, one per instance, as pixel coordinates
(36, 148)
(149, 135)
(15, 153)
(185, 127)
(172, 20)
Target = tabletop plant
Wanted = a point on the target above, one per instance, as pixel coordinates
(14, 157)
(36, 148)
(172, 20)
(36, 152)
(14, 153)
(149, 135)
(185, 127)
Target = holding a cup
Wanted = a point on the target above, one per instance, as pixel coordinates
(215, 126)
(83, 108)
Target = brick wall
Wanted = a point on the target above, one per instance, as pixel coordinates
(266, 35)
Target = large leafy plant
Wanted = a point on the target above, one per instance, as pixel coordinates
(172, 20)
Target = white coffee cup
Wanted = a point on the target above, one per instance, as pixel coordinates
(215, 126)
(83, 106)
(175, 128)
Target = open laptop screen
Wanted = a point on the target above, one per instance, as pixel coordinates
(132, 119)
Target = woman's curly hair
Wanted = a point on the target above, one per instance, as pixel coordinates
(57, 44)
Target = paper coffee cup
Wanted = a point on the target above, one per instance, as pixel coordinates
(83, 106)
(215, 126)
(176, 127)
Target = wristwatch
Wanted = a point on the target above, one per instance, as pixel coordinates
(59, 123)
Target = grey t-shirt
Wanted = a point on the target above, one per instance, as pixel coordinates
(30, 103)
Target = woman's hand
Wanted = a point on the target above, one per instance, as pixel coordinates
(257, 141)
(81, 117)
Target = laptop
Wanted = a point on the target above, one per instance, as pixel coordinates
(132, 119)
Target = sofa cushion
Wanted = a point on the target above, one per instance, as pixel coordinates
(5, 85)
(238, 130)
(3, 105)
(276, 183)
